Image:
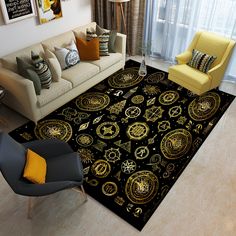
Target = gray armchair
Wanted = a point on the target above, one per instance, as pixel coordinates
(64, 168)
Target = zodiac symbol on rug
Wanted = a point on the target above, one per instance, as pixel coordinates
(155, 78)
(141, 187)
(86, 155)
(118, 93)
(100, 145)
(69, 113)
(196, 143)
(130, 92)
(163, 126)
(119, 200)
(100, 87)
(137, 99)
(168, 97)
(86, 170)
(84, 126)
(80, 116)
(137, 212)
(191, 94)
(189, 125)
(108, 130)
(129, 207)
(164, 190)
(151, 90)
(175, 111)
(151, 101)
(204, 107)
(141, 152)
(180, 88)
(112, 117)
(155, 161)
(117, 108)
(26, 136)
(117, 175)
(153, 113)
(169, 169)
(137, 130)
(132, 112)
(92, 182)
(181, 120)
(109, 189)
(184, 100)
(125, 146)
(110, 90)
(198, 128)
(209, 127)
(97, 120)
(101, 168)
(152, 140)
(112, 155)
(128, 166)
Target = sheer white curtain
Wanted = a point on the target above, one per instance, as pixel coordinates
(171, 24)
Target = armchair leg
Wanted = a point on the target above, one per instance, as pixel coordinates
(30, 207)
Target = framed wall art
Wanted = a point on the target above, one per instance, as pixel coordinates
(15, 10)
(48, 10)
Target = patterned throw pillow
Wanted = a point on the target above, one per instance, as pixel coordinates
(201, 61)
(103, 41)
(68, 56)
(42, 69)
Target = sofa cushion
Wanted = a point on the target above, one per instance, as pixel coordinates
(56, 90)
(60, 41)
(80, 73)
(9, 61)
(106, 62)
(80, 32)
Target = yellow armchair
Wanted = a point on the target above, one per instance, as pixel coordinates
(195, 80)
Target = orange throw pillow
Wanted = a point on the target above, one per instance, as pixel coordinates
(35, 168)
(88, 50)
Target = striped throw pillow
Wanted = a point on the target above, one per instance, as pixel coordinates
(103, 41)
(201, 61)
(42, 69)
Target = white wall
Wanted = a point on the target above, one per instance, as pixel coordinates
(27, 32)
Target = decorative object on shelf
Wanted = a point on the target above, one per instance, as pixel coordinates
(120, 5)
(48, 10)
(15, 10)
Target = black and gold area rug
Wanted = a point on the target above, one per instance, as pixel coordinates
(135, 135)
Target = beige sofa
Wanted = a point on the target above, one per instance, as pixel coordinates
(21, 95)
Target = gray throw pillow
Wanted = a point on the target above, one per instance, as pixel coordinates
(27, 71)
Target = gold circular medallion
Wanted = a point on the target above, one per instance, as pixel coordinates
(84, 140)
(108, 130)
(128, 166)
(92, 101)
(137, 99)
(101, 168)
(133, 112)
(168, 97)
(141, 187)
(155, 78)
(125, 78)
(53, 129)
(204, 107)
(137, 130)
(109, 189)
(176, 143)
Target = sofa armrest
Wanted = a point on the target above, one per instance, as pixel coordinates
(184, 57)
(120, 44)
(20, 93)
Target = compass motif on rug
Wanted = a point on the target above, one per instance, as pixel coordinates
(204, 107)
(108, 130)
(92, 101)
(154, 113)
(137, 130)
(141, 187)
(155, 78)
(176, 143)
(53, 129)
(168, 97)
(126, 78)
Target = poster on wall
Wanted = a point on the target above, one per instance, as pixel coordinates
(48, 10)
(14, 10)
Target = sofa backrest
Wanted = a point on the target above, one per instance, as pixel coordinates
(9, 61)
(80, 31)
(61, 40)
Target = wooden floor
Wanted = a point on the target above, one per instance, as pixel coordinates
(201, 203)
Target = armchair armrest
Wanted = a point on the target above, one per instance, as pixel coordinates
(20, 93)
(184, 57)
